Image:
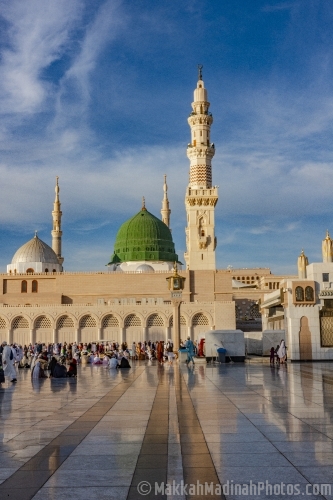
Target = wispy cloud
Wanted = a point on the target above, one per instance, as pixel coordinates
(37, 34)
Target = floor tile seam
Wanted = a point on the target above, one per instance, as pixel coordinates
(267, 438)
(139, 454)
(179, 380)
(175, 423)
(2, 485)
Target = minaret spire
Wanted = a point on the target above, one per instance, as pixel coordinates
(165, 212)
(201, 196)
(56, 230)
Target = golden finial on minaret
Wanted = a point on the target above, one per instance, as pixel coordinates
(302, 263)
(327, 248)
(165, 212)
(143, 203)
(56, 229)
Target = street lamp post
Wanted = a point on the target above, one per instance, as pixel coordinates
(176, 285)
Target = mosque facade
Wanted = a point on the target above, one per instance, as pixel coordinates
(41, 301)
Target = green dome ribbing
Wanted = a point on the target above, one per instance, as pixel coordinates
(144, 237)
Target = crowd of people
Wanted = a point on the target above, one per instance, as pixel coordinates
(61, 360)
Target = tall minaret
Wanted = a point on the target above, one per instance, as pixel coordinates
(56, 231)
(165, 212)
(201, 197)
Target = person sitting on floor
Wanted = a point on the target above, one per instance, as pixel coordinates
(124, 363)
(72, 370)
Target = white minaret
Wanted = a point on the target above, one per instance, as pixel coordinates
(201, 197)
(165, 212)
(56, 231)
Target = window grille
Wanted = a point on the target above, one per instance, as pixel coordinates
(110, 321)
(87, 321)
(20, 322)
(2, 323)
(155, 320)
(309, 294)
(65, 322)
(254, 311)
(132, 320)
(199, 319)
(299, 294)
(43, 322)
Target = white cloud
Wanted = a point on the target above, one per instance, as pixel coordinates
(37, 34)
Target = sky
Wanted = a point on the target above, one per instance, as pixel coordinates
(98, 93)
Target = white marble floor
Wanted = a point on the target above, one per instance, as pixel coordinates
(106, 432)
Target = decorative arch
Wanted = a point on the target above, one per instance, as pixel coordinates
(65, 321)
(132, 320)
(42, 322)
(155, 319)
(87, 321)
(111, 321)
(20, 322)
(30, 270)
(200, 319)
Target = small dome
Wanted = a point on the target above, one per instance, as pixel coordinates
(35, 250)
(144, 237)
(144, 268)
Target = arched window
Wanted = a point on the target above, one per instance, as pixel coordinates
(155, 320)
(34, 286)
(299, 294)
(309, 294)
(87, 321)
(199, 319)
(54, 270)
(46, 270)
(132, 320)
(30, 271)
(24, 286)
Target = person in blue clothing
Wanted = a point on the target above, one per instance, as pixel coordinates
(190, 350)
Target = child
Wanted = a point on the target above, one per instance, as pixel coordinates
(272, 356)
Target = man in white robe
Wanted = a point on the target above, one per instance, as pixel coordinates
(8, 361)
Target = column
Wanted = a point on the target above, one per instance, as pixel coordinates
(122, 335)
(10, 336)
(176, 324)
(77, 335)
(32, 336)
(99, 333)
(144, 333)
(54, 336)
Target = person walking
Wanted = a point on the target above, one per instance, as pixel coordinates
(170, 353)
(282, 352)
(190, 350)
(8, 362)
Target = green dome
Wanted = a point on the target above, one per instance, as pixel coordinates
(144, 237)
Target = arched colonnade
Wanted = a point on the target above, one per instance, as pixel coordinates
(134, 326)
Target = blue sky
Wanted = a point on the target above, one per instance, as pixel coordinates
(99, 93)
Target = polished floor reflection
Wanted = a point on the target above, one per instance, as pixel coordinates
(243, 428)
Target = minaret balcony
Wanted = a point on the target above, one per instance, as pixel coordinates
(200, 151)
